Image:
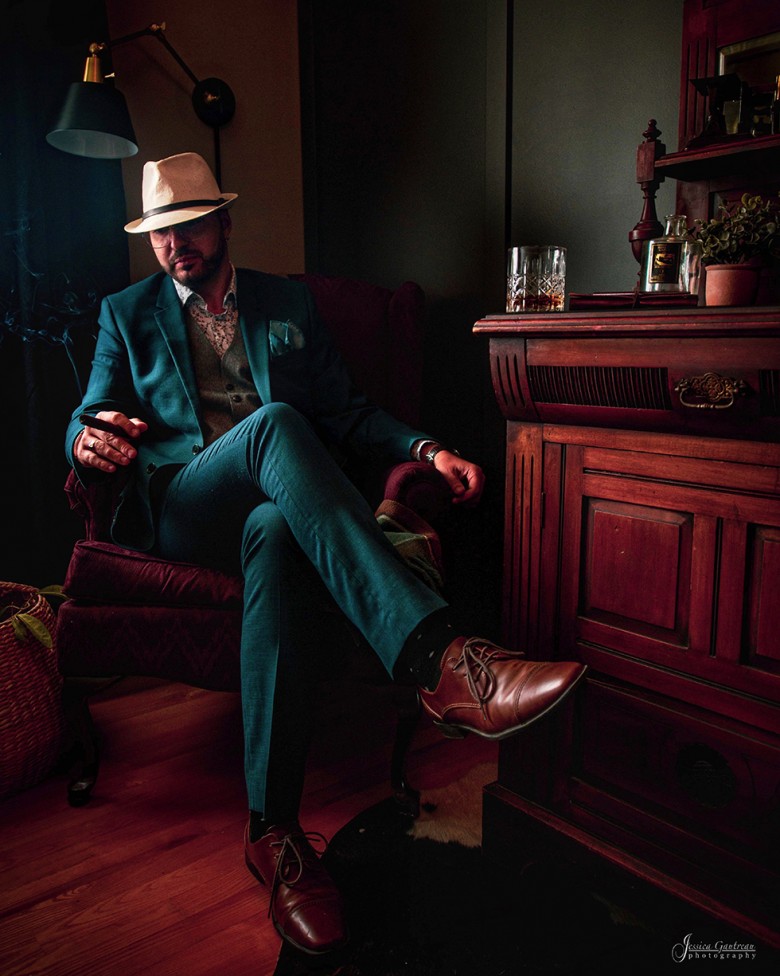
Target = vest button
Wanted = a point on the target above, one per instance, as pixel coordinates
(196, 448)
(229, 386)
(151, 468)
(236, 398)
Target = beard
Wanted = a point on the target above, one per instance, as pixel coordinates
(192, 267)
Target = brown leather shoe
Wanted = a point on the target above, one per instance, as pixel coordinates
(306, 907)
(493, 692)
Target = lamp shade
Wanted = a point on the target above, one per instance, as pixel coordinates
(94, 122)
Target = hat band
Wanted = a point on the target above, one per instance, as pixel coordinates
(182, 205)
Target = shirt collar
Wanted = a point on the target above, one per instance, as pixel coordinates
(186, 293)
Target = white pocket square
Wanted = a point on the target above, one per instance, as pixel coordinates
(284, 337)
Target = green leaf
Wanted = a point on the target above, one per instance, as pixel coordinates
(20, 631)
(54, 591)
(37, 628)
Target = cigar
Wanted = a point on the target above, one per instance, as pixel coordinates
(95, 422)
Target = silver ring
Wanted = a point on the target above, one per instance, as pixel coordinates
(92, 445)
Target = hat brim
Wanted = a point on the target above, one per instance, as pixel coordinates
(171, 217)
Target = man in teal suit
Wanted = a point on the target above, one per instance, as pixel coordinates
(219, 393)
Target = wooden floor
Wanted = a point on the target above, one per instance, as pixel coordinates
(149, 877)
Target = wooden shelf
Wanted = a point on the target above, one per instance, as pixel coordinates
(757, 156)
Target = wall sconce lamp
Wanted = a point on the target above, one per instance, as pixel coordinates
(95, 122)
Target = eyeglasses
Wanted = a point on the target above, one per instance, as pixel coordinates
(187, 231)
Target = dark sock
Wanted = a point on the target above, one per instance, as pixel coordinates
(259, 825)
(423, 649)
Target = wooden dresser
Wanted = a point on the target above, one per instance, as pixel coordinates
(642, 536)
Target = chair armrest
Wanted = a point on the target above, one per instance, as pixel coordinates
(420, 487)
(95, 503)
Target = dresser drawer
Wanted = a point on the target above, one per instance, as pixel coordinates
(714, 779)
(675, 373)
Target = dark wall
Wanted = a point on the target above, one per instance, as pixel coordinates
(395, 163)
(587, 78)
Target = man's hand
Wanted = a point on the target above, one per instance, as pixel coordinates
(97, 449)
(464, 478)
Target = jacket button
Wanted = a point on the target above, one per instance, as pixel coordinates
(196, 448)
(236, 398)
(151, 468)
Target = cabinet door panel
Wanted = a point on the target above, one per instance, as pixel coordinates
(625, 546)
(665, 579)
(763, 599)
(638, 561)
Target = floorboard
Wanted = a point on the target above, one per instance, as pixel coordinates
(149, 877)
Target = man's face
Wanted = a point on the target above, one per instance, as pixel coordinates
(195, 251)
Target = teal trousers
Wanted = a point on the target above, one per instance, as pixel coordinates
(268, 501)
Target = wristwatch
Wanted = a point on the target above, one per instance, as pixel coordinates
(434, 449)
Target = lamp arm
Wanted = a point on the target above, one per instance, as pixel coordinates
(158, 31)
(153, 30)
(212, 99)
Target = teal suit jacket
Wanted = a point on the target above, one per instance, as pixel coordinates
(143, 368)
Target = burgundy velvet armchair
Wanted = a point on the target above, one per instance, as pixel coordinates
(129, 613)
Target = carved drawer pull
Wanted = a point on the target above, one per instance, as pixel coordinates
(711, 391)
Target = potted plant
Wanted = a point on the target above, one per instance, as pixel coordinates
(735, 245)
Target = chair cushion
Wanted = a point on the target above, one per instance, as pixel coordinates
(197, 646)
(100, 572)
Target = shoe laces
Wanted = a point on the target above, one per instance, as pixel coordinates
(295, 849)
(475, 660)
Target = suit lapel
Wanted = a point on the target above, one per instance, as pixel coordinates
(170, 321)
(253, 321)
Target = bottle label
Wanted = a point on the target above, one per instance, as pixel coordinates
(665, 262)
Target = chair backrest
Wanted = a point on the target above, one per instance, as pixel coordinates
(379, 332)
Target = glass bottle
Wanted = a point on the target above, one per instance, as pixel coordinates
(776, 108)
(670, 263)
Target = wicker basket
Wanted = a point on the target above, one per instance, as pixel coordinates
(31, 717)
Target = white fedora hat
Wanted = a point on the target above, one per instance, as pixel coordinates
(176, 189)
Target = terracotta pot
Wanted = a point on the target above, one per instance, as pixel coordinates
(730, 284)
